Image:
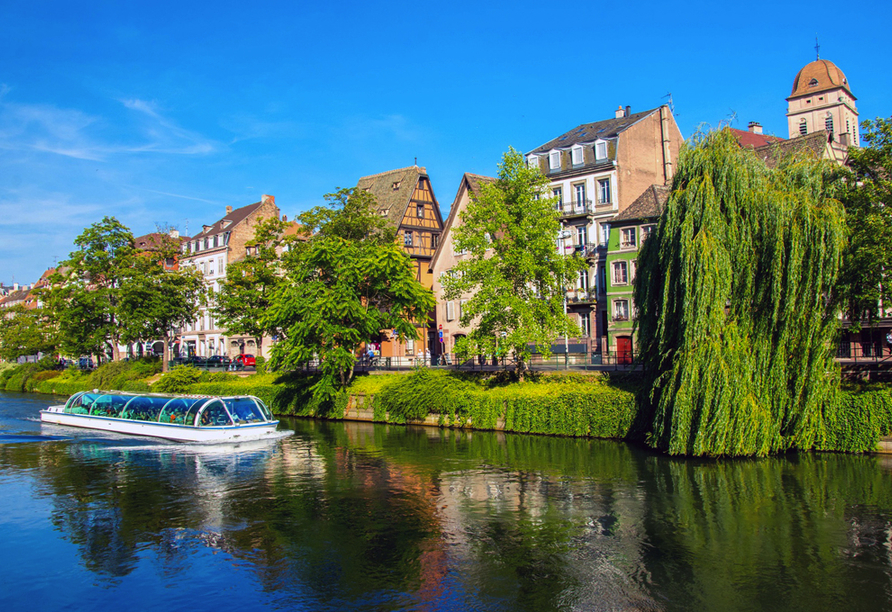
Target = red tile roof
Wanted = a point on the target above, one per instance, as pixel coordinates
(750, 140)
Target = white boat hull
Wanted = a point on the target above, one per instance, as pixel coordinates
(178, 433)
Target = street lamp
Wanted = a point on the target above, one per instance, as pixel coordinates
(563, 236)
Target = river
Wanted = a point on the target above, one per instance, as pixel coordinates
(354, 516)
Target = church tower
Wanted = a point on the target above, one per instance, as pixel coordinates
(822, 100)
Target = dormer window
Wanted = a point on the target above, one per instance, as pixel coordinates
(601, 150)
(396, 185)
(533, 161)
(215, 241)
(813, 83)
(554, 160)
(576, 155)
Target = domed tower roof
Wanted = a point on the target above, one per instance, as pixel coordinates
(817, 76)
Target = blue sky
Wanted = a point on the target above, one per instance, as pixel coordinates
(167, 112)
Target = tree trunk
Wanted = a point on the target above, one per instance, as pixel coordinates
(164, 355)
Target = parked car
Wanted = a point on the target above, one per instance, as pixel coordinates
(246, 360)
(218, 361)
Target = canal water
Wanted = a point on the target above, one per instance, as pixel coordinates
(355, 516)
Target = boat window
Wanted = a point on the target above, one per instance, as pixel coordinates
(245, 410)
(181, 410)
(144, 408)
(266, 413)
(82, 403)
(109, 405)
(214, 414)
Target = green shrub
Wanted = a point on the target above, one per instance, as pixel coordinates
(116, 374)
(423, 392)
(178, 379)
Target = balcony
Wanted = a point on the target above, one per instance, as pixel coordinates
(577, 209)
(581, 296)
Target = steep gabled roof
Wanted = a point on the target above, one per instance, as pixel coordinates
(751, 140)
(471, 183)
(590, 132)
(393, 190)
(648, 205)
(229, 221)
(814, 144)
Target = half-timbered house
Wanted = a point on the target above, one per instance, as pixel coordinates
(406, 198)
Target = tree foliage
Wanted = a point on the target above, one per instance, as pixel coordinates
(864, 286)
(156, 300)
(247, 293)
(735, 322)
(86, 289)
(513, 270)
(350, 282)
(26, 331)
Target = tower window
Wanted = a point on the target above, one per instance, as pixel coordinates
(803, 128)
(813, 83)
(828, 123)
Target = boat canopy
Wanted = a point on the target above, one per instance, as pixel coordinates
(175, 410)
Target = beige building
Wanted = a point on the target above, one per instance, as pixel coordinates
(406, 198)
(821, 100)
(596, 171)
(211, 251)
(445, 258)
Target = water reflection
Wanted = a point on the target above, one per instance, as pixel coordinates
(359, 516)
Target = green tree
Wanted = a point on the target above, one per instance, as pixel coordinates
(155, 300)
(350, 282)
(247, 293)
(26, 331)
(734, 320)
(867, 196)
(86, 290)
(514, 271)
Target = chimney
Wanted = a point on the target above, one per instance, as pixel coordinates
(843, 138)
(15, 286)
(628, 111)
(620, 113)
(755, 127)
(268, 199)
(174, 233)
(284, 218)
(228, 210)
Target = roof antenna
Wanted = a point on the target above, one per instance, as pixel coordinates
(817, 49)
(671, 105)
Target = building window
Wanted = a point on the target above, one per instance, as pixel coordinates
(407, 239)
(580, 235)
(583, 280)
(627, 238)
(558, 193)
(604, 191)
(450, 311)
(803, 128)
(828, 123)
(220, 265)
(601, 150)
(419, 211)
(621, 310)
(461, 307)
(533, 161)
(580, 196)
(585, 324)
(646, 231)
(435, 240)
(576, 155)
(604, 234)
(620, 273)
(602, 279)
(554, 160)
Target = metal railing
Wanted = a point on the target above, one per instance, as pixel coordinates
(874, 351)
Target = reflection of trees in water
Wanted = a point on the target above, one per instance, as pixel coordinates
(351, 513)
(769, 534)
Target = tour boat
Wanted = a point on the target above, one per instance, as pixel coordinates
(182, 418)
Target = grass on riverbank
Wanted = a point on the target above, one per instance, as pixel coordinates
(566, 404)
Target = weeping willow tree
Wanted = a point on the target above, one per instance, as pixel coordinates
(735, 316)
